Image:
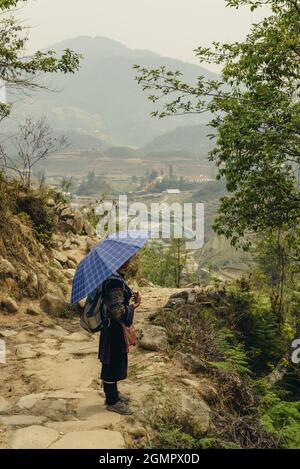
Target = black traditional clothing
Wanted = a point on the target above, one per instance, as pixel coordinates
(112, 348)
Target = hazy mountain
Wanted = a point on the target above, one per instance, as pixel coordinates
(191, 139)
(103, 99)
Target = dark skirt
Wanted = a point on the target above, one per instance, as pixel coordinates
(112, 353)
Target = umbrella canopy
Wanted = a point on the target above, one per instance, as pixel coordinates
(104, 260)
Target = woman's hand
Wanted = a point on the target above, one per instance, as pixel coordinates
(137, 299)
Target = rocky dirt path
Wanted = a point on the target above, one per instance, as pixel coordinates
(51, 396)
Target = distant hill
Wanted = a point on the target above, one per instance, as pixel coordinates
(122, 152)
(103, 100)
(189, 140)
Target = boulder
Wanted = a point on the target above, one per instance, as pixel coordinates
(33, 310)
(78, 337)
(8, 305)
(50, 203)
(56, 264)
(27, 402)
(23, 276)
(195, 412)
(77, 222)
(69, 273)
(66, 213)
(61, 206)
(67, 244)
(137, 431)
(154, 338)
(72, 258)
(190, 362)
(60, 257)
(6, 269)
(174, 302)
(88, 228)
(74, 240)
(54, 305)
(71, 264)
(182, 294)
(53, 409)
(202, 387)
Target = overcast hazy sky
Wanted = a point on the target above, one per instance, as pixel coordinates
(169, 27)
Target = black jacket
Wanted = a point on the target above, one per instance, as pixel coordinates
(117, 295)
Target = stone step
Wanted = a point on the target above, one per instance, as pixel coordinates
(94, 439)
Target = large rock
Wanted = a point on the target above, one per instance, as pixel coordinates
(190, 362)
(67, 244)
(183, 295)
(60, 257)
(8, 304)
(33, 310)
(5, 406)
(57, 264)
(66, 213)
(202, 387)
(154, 338)
(27, 402)
(34, 437)
(53, 409)
(6, 269)
(88, 228)
(53, 305)
(94, 439)
(71, 264)
(50, 203)
(78, 337)
(23, 276)
(175, 302)
(78, 222)
(194, 411)
(69, 273)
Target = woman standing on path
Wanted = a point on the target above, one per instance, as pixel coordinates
(113, 347)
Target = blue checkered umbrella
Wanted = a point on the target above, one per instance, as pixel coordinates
(104, 260)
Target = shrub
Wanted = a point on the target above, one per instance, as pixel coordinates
(41, 216)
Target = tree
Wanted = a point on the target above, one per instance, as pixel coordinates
(66, 183)
(176, 260)
(256, 120)
(164, 265)
(19, 71)
(34, 142)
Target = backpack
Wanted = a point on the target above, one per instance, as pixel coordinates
(95, 317)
